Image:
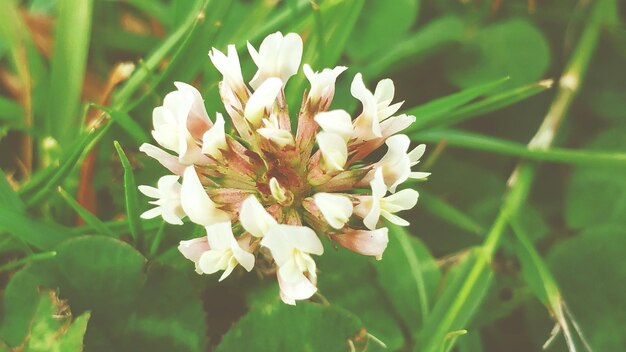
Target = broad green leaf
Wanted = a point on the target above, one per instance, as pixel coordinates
(69, 59)
(597, 195)
(592, 275)
(10, 111)
(149, 324)
(276, 326)
(20, 299)
(514, 47)
(130, 193)
(374, 29)
(52, 328)
(428, 40)
(349, 280)
(100, 274)
(604, 91)
(409, 275)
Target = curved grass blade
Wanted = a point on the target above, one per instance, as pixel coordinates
(130, 194)
(91, 220)
(69, 59)
(491, 144)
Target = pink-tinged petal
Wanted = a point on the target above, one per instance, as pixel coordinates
(194, 248)
(198, 119)
(370, 243)
(169, 161)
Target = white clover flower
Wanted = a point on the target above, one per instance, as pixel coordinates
(268, 193)
(167, 195)
(278, 56)
(291, 248)
(377, 108)
(322, 83)
(397, 162)
(371, 208)
(219, 250)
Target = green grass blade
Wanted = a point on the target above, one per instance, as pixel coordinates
(493, 103)
(458, 302)
(26, 260)
(470, 140)
(433, 111)
(427, 41)
(541, 282)
(8, 196)
(448, 213)
(130, 194)
(91, 220)
(10, 111)
(71, 46)
(39, 234)
(127, 123)
(39, 188)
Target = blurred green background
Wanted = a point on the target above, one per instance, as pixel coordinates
(483, 266)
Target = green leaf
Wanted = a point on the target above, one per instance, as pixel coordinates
(276, 326)
(69, 59)
(130, 193)
(597, 195)
(440, 33)
(127, 123)
(52, 329)
(100, 274)
(375, 31)
(151, 325)
(409, 275)
(591, 273)
(514, 48)
(19, 302)
(604, 91)
(358, 290)
(441, 209)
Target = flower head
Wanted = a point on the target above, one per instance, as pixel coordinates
(266, 193)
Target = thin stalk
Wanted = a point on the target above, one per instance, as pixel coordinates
(520, 181)
(26, 260)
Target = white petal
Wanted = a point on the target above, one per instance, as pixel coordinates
(263, 98)
(196, 202)
(379, 189)
(197, 119)
(290, 56)
(228, 66)
(254, 218)
(419, 175)
(417, 153)
(336, 209)
(149, 191)
(394, 219)
(292, 291)
(245, 258)
(334, 150)
(336, 121)
(277, 191)
(220, 235)
(395, 124)
(322, 83)
(282, 239)
(214, 139)
(371, 219)
(403, 200)
(276, 135)
(213, 261)
(151, 213)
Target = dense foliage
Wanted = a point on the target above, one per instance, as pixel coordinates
(516, 242)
